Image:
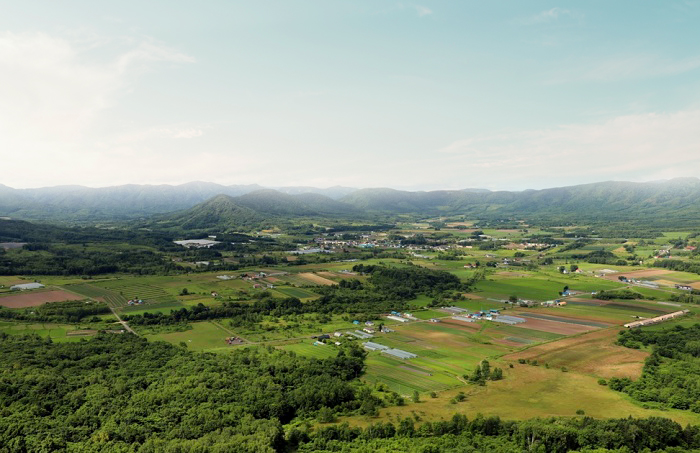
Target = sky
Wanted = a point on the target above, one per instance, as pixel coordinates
(507, 95)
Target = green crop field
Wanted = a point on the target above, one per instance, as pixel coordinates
(57, 332)
(203, 336)
(299, 293)
(134, 288)
(308, 349)
(113, 299)
(294, 280)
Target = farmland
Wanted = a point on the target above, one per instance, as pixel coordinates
(35, 298)
(573, 345)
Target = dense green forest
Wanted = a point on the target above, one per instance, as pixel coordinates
(678, 265)
(67, 311)
(120, 393)
(671, 374)
(491, 434)
(53, 250)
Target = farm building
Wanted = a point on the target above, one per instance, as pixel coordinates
(509, 319)
(684, 287)
(374, 346)
(396, 318)
(434, 320)
(463, 318)
(648, 284)
(359, 334)
(25, 286)
(455, 310)
(196, 243)
(400, 353)
(656, 320)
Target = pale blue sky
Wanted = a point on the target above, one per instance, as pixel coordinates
(424, 95)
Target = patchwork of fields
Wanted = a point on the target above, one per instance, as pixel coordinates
(578, 338)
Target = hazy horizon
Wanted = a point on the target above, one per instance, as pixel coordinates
(262, 186)
(409, 95)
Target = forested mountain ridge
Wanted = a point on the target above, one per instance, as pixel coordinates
(262, 208)
(677, 199)
(662, 201)
(78, 203)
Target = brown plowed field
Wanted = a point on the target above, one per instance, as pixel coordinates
(467, 325)
(317, 279)
(36, 299)
(562, 328)
(595, 353)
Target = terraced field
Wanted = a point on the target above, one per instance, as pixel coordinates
(113, 299)
(129, 289)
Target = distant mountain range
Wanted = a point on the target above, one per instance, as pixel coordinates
(132, 201)
(260, 208)
(201, 203)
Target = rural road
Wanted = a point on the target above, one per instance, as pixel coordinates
(122, 322)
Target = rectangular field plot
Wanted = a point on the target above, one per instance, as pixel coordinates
(404, 378)
(133, 289)
(534, 336)
(295, 280)
(57, 332)
(203, 336)
(558, 327)
(565, 320)
(315, 279)
(33, 299)
(110, 297)
(443, 350)
(299, 293)
(594, 353)
(310, 350)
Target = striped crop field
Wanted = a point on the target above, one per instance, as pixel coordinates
(130, 289)
(113, 299)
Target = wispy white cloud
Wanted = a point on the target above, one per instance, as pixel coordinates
(626, 67)
(630, 147)
(420, 10)
(423, 11)
(51, 88)
(547, 16)
(54, 89)
(187, 133)
(160, 133)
